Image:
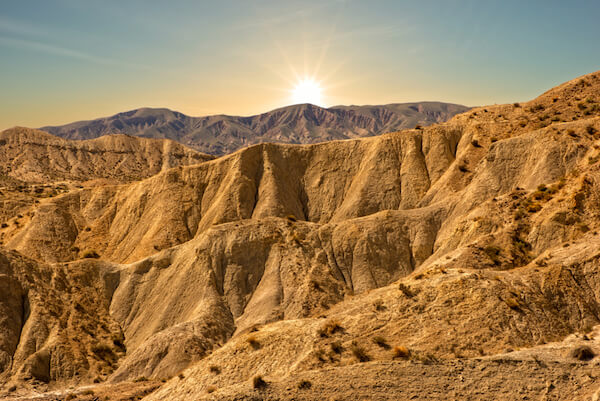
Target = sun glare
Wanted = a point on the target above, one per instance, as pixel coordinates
(307, 91)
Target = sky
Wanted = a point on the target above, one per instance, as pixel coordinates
(69, 60)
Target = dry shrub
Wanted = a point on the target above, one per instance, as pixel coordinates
(381, 342)
(304, 385)
(401, 352)
(253, 342)
(258, 382)
(583, 353)
(336, 347)
(360, 353)
(406, 290)
(330, 328)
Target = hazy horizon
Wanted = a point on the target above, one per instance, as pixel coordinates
(72, 60)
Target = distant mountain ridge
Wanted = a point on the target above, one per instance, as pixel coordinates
(299, 124)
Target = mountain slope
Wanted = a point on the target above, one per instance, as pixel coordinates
(407, 260)
(36, 156)
(303, 123)
(35, 165)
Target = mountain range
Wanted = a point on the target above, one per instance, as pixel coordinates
(300, 124)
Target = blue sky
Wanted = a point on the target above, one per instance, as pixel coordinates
(66, 60)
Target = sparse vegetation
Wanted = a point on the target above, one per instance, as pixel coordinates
(462, 167)
(330, 328)
(140, 379)
(90, 254)
(304, 385)
(336, 347)
(493, 252)
(401, 352)
(103, 352)
(512, 302)
(583, 353)
(214, 369)
(381, 342)
(379, 305)
(359, 353)
(253, 342)
(406, 290)
(258, 382)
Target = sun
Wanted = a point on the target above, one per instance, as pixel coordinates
(307, 90)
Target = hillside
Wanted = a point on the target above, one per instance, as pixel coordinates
(35, 165)
(299, 124)
(459, 259)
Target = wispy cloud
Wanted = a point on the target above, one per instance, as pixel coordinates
(22, 35)
(65, 52)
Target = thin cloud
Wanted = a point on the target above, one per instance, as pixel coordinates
(65, 52)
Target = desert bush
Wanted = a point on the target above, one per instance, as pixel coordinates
(418, 126)
(583, 353)
(533, 207)
(253, 342)
(214, 369)
(401, 352)
(211, 389)
(406, 290)
(381, 342)
(304, 385)
(475, 143)
(291, 217)
(462, 166)
(103, 352)
(140, 379)
(591, 130)
(258, 382)
(513, 303)
(330, 328)
(4, 225)
(379, 305)
(90, 254)
(360, 353)
(516, 104)
(336, 347)
(493, 252)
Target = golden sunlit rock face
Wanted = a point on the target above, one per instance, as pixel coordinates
(459, 258)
